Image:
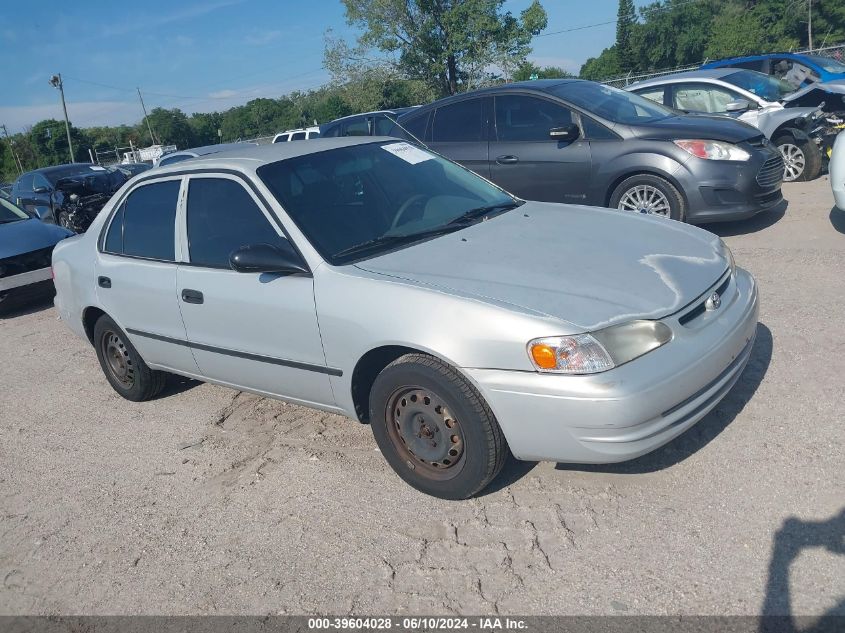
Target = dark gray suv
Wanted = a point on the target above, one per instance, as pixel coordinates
(582, 142)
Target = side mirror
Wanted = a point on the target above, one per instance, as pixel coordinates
(566, 133)
(740, 105)
(41, 190)
(265, 258)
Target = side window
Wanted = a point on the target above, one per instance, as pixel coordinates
(314, 134)
(460, 121)
(25, 183)
(703, 98)
(755, 64)
(297, 136)
(382, 124)
(331, 131)
(655, 94)
(416, 125)
(520, 118)
(595, 131)
(149, 216)
(359, 127)
(40, 181)
(114, 238)
(223, 217)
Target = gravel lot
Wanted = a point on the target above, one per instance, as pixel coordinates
(208, 500)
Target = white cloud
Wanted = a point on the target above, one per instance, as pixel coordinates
(260, 38)
(140, 24)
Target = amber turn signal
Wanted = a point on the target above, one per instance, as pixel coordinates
(544, 356)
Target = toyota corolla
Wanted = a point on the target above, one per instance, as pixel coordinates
(372, 278)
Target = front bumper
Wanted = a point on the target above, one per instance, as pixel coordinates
(633, 409)
(724, 191)
(25, 279)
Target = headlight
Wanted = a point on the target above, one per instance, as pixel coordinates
(597, 351)
(713, 150)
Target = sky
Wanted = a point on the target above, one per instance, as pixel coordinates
(206, 55)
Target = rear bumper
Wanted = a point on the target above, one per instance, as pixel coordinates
(633, 409)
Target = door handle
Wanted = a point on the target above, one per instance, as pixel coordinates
(191, 296)
(104, 282)
(507, 160)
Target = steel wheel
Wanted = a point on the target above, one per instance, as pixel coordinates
(426, 435)
(645, 199)
(794, 161)
(117, 359)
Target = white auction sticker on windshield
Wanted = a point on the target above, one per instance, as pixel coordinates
(97, 168)
(407, 152)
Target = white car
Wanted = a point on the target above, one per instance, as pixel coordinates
(755, 98)
(301, 134)
(369, 277)
(836, 169)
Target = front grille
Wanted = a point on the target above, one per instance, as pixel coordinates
(771, 173)
(700, 309)
(26, 262)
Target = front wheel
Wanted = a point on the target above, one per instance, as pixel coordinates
(63, 220)
(434, 428)
(646, 193)
(802, 159)
(123, 366)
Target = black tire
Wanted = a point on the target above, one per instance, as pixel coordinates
(674, 199)
(441, 405)
(114, 351)
(811, 157)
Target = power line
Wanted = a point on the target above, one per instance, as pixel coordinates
(644, 12)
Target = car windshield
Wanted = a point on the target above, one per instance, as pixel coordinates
(56, 174)
(612, 103)
(764, 86)
(10, 213)
(358, 201)
(828, 63)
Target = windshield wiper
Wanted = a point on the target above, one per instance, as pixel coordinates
(483, 212)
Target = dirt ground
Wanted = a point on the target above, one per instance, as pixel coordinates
(209, 501)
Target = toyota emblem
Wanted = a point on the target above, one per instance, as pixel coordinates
(713, 302)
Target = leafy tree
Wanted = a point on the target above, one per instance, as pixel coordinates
(49, 138)
(449, 44)
(626, 19)
(527, 69)
(170, 127)
(601, 67)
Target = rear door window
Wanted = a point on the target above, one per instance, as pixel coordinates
(146, 221)
(462, 121)
(297, 136)
(222, 217)
(655, 94)
(358, 127)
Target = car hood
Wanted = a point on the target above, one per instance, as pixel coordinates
(587, 266)
(716, 128)
(25, 236)
(830, 92)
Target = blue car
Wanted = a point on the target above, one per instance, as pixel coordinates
(796, 69)
(26, 249)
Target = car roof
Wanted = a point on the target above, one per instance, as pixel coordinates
(52, 168)
(209, 149)
(248, 158)
(706, 73)
(396, 111)
(536, 85)
(755, 57)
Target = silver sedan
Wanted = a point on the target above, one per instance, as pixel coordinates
(375, 279)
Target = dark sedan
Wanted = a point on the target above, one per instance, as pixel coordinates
(583, 142)
(68, 195)
(26, 246)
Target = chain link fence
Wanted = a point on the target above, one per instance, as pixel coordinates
(836, 51)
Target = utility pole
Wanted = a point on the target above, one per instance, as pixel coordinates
(56, 82)
(810, 23)
(146, 118)
(17, 160)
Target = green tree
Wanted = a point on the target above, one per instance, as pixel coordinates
(170, 127)
(49, 139)
(449, 44)
(604, 66)
(528, 69)
(626, 20)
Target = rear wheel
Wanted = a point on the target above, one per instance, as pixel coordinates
(434, 428)
(123, 366)
(649, 194)
(802, 159)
